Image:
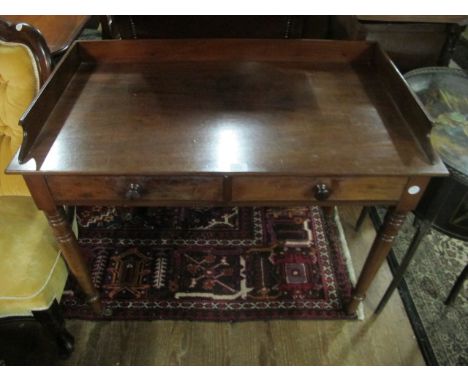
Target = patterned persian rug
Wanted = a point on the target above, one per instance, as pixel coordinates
(441, 330)
(217, 264)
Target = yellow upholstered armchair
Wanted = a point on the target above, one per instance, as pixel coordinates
(32, 272)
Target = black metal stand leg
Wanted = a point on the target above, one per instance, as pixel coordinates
(457, 287)
(422, 230)
(52, 320)
(362, 216)
(453, 35)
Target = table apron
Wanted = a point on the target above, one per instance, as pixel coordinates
(223, 190)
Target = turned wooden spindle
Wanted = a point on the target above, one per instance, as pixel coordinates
(65, 237)
(384, 240)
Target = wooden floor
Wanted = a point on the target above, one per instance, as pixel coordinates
(386, 339)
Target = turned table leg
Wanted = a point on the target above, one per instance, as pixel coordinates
(71, 252)
(378, 252)
(65, 237)
(385, 237)
(422, 230)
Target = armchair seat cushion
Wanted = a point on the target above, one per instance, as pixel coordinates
(19, 83)
(32, 272)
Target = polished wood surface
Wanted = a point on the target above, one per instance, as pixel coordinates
(217, 190)
(58, 31)
(218, 122)
(386, 339)
(39, 110)
(275, 114)
(385, 237)
(92, 189)
(407, 102)
(283, 188)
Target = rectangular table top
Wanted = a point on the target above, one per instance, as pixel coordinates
(195, 116)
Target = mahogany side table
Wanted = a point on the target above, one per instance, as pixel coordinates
(226, 122)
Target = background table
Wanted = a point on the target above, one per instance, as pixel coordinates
(411, 41)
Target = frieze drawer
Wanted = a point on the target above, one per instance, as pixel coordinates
(286, 188)
(134, 190)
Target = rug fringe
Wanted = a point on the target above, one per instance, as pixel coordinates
(348, 259)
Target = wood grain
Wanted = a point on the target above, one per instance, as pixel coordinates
(273, 113)
(260, 188)
(271, 50)
(114, 189)
(33, 119)
(419, 121)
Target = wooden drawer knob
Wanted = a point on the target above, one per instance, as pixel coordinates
(321, 191)
(134, 191)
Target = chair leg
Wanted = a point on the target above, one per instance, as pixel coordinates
(52, 320)
(457, 287)
(364, 213)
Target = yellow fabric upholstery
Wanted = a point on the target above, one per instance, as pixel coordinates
(32, 273)
(19, 83)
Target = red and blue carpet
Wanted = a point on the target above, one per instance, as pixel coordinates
(217, 264)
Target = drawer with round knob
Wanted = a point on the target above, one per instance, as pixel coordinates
(316, 189)
(135, 190)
